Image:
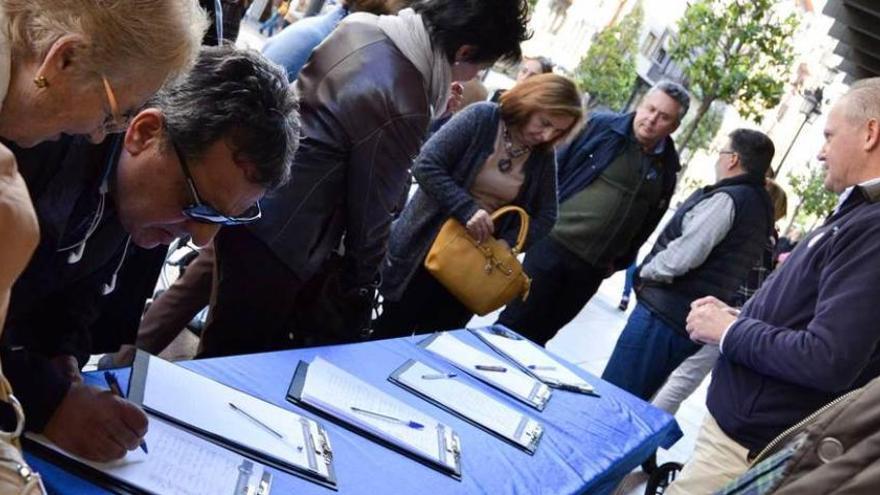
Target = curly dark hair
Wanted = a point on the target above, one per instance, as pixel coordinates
(494, 27)
(241, 95)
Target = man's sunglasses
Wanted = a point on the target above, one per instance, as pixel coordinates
(201, 211)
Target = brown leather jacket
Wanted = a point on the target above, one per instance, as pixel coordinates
(365, 112)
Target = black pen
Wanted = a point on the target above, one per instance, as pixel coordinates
(110, 378)
(485, 367)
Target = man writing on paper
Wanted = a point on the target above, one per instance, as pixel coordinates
(200, 155)
(810, 332)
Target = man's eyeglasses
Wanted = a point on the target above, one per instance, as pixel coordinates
(201, 211)
(727, 152)
(114, 121)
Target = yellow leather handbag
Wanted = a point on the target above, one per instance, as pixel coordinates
(483, 276)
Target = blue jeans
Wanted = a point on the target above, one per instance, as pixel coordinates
(270, 24)
(628, 281)
(647, 352)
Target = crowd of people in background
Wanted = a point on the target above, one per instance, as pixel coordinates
(291, 170)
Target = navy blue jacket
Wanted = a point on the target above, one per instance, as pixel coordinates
(593, 150)
(55, 304)
(809, 334)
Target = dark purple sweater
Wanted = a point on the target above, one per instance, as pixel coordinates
(809, 334)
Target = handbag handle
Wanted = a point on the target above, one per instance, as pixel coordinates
(6, 396)
(523, 224)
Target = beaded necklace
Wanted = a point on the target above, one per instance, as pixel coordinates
(506, 164)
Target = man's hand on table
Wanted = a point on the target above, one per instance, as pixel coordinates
(96, 424)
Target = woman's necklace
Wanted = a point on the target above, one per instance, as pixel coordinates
(506, 164)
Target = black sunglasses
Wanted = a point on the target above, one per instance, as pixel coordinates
(201, 211)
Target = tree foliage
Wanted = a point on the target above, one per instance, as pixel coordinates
(608, 71)
(813, 200)
(706, 130)
(735, 51)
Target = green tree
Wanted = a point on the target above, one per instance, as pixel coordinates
(705, 133)
(608, 70)
(735, 51)
(814, 202)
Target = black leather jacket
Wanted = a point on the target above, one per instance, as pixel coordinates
(365, 112)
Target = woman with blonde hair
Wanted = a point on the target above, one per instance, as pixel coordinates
(487, 156)
(83, 66)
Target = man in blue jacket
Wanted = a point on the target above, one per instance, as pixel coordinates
(615, 181)
(200, 155)
(810, 333)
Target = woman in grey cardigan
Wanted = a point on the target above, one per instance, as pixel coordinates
(488, 156)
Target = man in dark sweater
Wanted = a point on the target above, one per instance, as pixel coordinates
(200, 155)
(615, 181)
(810, 333)
(707, 248)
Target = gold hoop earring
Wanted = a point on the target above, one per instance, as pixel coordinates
(41, 82)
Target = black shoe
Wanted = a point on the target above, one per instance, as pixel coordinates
(624, 302)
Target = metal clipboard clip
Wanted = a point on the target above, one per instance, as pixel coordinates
(265, 485)
(541, 394)
(454, 446)
(533, 434)
(325, 450)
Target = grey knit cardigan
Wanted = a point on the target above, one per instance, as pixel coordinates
(445, 170)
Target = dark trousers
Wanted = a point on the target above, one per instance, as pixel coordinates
(171, 311)
(426, 306)
(647, 352)
(561, 285)
(252, 298)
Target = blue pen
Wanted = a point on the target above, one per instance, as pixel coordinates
(110, 378)
(540, 367)
(412, 424)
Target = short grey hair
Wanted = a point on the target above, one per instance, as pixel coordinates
(240, 95)
(862, 101)
(677, 92)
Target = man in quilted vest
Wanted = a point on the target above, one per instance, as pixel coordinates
(708, 248)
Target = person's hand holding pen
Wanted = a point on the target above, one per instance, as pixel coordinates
(96, 424)
(114, 387)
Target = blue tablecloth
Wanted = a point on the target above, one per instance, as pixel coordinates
(588, 445)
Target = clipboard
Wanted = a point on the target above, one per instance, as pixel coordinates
(538, 393)
(242, 475)
(448, 459)
(542, 365)
(317, 448)
(526, 434)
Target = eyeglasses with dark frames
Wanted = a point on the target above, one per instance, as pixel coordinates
(203, 212)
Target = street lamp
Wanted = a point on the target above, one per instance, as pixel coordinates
(811, 108)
